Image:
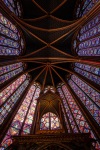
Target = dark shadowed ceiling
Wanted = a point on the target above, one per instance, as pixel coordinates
(45, 24)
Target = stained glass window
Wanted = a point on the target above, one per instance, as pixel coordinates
(87, 42)
(50, 121)
(9, 71)
(10, 96)
(11, 41)
(89, 72)
(14, 6)
(77, 120)
(73, 113)
(89, 97)
(4, 95)
(84, 7)
(23, 120)
(68, 112)
(88, 4)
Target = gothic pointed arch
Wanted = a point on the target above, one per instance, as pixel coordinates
(22, 122)
(49, 93)
(11, 40)
(86, 40)
(50, 121)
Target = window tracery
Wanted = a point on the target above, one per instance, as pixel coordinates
(84, 7)
(23, 120)
(76, 118)
(10, 95)
(11, 40)
(90, 72)
(77, 121)
(9, 71)
(14, 6)
(87, 42)
(88, 96)
(50, 121)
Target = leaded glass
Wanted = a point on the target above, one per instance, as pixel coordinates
(22, 122)
(44, 125)
(66, 121)
(14, 6)
(89, 72)
(50, 121)
(12, 98)
(89, 97)
(30, 115)
(11, 42)
(84, 7)
(79, 118)
(88, 39)
(68, 112)
(9, 71)
(5, 94)
(88, 6)
(69, 103)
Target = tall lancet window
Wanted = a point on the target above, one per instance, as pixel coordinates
(14, 6)
(90, 72)
(74, 119)
(11, 40)
(10, 96)
(9, 71)
(50, 121)
(87, 42)
(77, 122)
(84, 7)
(24, 118)
(88, 96)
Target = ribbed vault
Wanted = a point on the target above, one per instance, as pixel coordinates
(48, 33)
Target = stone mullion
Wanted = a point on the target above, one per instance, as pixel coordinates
(6, 12)
(61, 117)
(71, 130)
(85, 93)
(71, 112)
(90, 29)
(10, 81)
(12, 114)
(11, 70)
(79, 42)
(81, 4)
(94, 126)
(34, 121)
(37, 120)
(87, 81)
(63, 120)
(90, 38)
(85, 70)
(85, 6)
(8, 37)
(86, 47)
(7, 28)
(13, 92)
(27, 111)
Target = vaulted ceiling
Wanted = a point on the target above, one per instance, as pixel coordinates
(48, 30)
